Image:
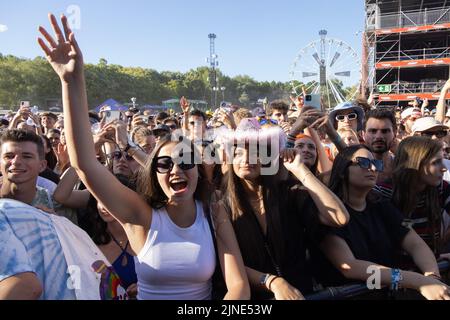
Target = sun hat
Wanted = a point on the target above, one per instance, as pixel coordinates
(348, 106)
(427, 123)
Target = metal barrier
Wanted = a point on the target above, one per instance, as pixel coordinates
(354, 290)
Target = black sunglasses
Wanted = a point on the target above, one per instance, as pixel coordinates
(366, 163)
(439, 134)
(117, 155)
(165, 164)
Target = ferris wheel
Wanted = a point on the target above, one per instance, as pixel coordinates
(329, 67)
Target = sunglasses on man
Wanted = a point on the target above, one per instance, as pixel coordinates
(366, 163)
(263, 121)
(117, 155)
(165, 164)
(349, 117)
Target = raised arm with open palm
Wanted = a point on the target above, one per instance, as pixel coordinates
(64, 55)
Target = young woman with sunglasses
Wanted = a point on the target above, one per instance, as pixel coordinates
(168, 230)
(269, 215)
(418, 190)
(370, 243)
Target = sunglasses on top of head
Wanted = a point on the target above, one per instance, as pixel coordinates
(165, 164)
(366, 163)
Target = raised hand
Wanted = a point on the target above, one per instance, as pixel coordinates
(184, 104)
(62, 154)
(307, 118)
(298, 101)
(227, 118)
(62, 53)
(286, 126)
(105, 135)
(117, 132)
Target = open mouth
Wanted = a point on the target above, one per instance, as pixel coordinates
(178, 186)
(16, 171)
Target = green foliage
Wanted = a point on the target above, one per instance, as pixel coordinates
(34, 80)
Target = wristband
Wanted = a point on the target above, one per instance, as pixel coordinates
(264, 279)
(396, 277)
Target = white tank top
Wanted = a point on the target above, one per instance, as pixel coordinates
(176, 263)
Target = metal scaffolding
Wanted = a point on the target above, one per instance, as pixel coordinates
(407, 44)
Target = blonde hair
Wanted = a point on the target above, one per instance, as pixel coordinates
(140, 133)
(240, 114)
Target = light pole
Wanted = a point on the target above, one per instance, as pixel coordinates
(215, 89)
(223, 92)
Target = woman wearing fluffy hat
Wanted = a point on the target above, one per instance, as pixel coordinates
(270, 214)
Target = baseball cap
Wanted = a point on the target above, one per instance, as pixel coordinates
(411, 112)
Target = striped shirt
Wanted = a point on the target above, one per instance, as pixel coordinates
(418, 219)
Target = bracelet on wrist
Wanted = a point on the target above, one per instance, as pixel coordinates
(433, 275)
(269, 284)
(305, 177)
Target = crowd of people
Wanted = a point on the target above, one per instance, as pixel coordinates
(270, 203)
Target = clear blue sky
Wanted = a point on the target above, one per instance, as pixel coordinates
(260, 38)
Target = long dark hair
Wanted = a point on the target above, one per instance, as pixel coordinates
(94, 225)
(339, 179)
(147, 181)
(50, 156)
(246, 227)
(412, 155)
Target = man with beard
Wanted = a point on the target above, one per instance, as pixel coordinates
(379, 134)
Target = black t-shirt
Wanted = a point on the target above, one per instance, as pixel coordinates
(300, 220)
(374, 234)
(50, 175)
(297, 213)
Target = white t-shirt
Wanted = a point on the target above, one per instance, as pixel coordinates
(176, 263)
